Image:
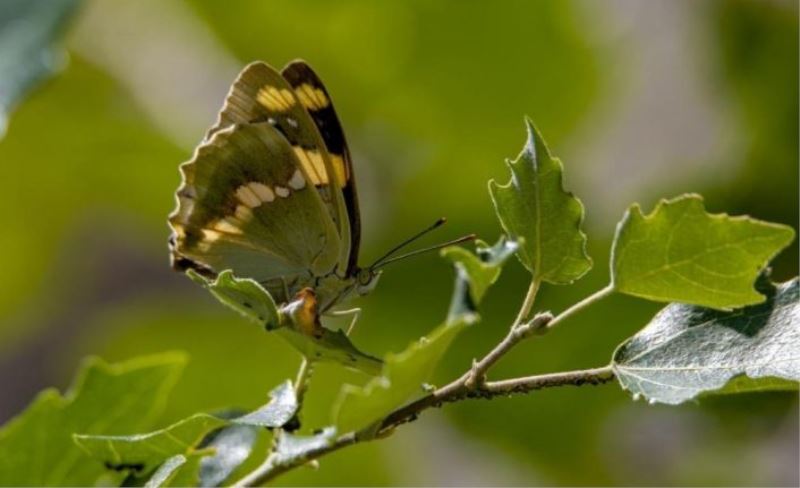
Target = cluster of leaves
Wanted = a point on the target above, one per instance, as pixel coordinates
(729, 329)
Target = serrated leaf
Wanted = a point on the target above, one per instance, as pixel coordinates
(243, 295)
(681, 253)
(29, 32)
(535, 209)
(401, 380)
(36, 447)
(688, 350)
(475, 273)
(332, 346)
(143, 453)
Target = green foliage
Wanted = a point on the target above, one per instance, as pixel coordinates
(534, 207)
(29, 30)
(405, 374)
(36, 448)
(243, 295)
(177, 450)
(252, 301)
(688, 350)
(681, 253)
(403, 377)
(475, 273)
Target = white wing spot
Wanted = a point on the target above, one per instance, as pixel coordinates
(229, 226)
(243, 213)
(247, 196)
(282, 191)
(262, 191)
(297, 181)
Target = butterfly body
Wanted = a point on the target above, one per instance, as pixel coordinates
(270, 193)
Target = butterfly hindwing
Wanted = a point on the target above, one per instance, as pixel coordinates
(261, 94)
(315, 98)
(249, 205)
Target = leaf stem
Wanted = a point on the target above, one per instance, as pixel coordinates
(591, 299)
(303, 379)
(527, 304)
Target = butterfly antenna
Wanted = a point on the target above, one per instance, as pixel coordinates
(440, 222)
(384, 262)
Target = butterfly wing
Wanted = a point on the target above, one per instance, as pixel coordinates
(261, 94)
(248, 204)
(315, 98)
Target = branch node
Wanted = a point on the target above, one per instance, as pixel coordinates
(538, 325)
(476, 378)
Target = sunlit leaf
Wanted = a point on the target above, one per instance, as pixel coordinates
(29, 32)
(475, 273)
(687, 350)
(401, 380)
(36, 447)
(534, 207)
(681, 253)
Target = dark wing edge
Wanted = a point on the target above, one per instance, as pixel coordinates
(299, 73)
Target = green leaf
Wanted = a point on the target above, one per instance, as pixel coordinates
(681, 253)
(475, 273)
(535, 209)
(688, 350)
(143, 453)
(402, 379)
(243, 295)
(252, 301)
(332, 346)
(29, 30)
(36, 447)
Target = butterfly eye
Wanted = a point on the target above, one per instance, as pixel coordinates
(364, 277)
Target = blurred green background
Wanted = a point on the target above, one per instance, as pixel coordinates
(641, 100)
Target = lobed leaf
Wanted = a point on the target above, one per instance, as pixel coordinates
(211, 445)
(688, 350)
(534, 209)
(36, 447)
(681, 253)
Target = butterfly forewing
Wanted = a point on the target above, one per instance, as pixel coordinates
(315, 98)
(247, 204)
(261, 94)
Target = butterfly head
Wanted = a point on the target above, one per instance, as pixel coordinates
(366, 280)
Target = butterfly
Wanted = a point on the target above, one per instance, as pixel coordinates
(270, 192)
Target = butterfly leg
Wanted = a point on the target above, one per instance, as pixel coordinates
(355, 312)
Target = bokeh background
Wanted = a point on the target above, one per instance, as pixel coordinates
(641, 100)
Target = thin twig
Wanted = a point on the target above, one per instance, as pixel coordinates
(491, 389)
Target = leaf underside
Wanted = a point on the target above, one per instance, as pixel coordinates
(686, 350)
